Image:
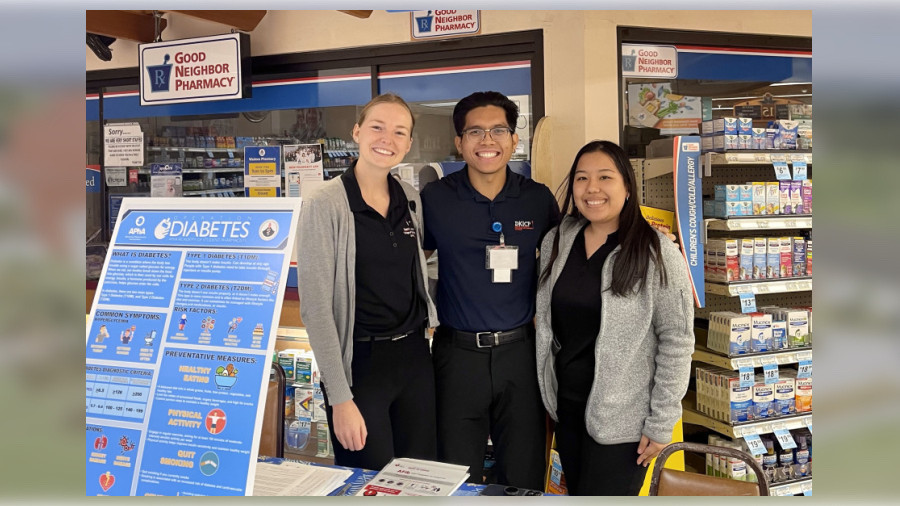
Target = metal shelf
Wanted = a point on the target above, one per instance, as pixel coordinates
(792, 488)
(192, 149)
(204, 170)
(757, 157)
(773, 222)
(791, 356)
(210, 192)
(655, 167)
(785, 285)
(768, 426)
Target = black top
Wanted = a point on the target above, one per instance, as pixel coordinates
(575, 308)
(387, 299)
(458, 223)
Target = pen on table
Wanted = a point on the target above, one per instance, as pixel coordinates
(343, 490)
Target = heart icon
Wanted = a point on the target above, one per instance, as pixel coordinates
(106, 481)
(100, 443)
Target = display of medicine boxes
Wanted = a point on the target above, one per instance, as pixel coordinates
(770, 329)
(757, 258)
(760, 198)
(721, 396)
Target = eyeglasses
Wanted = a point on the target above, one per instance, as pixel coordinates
(478, 134)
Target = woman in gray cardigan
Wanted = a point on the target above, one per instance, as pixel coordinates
(363, 299)
(614, 328)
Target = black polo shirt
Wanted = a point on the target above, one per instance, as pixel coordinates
(458, 223)
(387, 299)
(576, 307)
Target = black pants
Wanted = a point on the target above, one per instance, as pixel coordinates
(591, 468)
(490, 391)
(393, 387)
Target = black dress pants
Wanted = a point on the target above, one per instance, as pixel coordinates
(393, 387)
(591, 468)
(492, 392)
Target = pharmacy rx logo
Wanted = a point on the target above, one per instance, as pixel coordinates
(159, 75)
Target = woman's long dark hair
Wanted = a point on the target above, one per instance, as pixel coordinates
(639, 241)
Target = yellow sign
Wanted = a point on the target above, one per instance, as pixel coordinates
(263, 192)
(262, 169)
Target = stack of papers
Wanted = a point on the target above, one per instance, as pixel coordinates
(416, 478)
(297, 479)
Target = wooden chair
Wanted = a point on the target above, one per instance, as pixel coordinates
(670, 482)
(271, 441)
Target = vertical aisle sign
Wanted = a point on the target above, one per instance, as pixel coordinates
(262, 171)
(688, 198)
(179, 344)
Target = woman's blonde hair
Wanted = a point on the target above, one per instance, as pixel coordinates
(386, 98)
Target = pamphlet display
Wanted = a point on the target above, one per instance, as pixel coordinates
(413, 477)
(179, 344)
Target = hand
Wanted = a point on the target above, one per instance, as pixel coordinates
(349, 426)
(647, 450)
(671, 236)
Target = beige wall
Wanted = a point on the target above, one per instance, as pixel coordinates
(581, 89)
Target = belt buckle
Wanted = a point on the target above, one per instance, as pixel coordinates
(489, 345)
(400, 336)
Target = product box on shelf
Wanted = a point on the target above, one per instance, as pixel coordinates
(785, 134)
(803, 394)
(744, 126)
(746, 259)
(784, 191)
(726, 125)
(796, 197)
(758, 138)
(760, 253)
(799, 256)
(806, 195)
(763, 399)
(745, 141)
(809, 258)
(779, 334)
(773, 198)
(784, 395)
(787, 262)
(761, 337)
(797, 327)
(758, 190)
(303, 402)
(745, 193)
(773, 257)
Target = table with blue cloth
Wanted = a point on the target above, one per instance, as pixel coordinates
(360, 477)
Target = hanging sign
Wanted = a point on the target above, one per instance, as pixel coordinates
(123, 145)
(688, 188)
(195, 70)
(179, 344)
(92, 179)
(444, 23)
(649, 61)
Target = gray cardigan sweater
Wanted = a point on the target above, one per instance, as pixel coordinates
(326, 278)
(642, 353)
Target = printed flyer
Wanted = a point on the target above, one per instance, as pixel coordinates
(179, 344)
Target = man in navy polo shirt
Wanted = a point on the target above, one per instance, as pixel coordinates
(488, 222)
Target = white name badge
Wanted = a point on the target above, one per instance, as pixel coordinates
(502, 260)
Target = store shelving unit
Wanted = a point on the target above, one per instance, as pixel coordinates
(735, 167)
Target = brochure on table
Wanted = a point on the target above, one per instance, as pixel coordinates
(179, 344)
(413, 477)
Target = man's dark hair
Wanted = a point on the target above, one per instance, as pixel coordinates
(482, 99)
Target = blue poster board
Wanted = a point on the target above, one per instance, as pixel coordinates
(179, 343)
(688, 211)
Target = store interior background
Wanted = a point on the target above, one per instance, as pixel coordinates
(581, 88)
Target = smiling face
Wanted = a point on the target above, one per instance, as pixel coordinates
(487, 156)
(598, 190)
(384, 136)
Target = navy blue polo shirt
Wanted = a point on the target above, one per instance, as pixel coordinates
(458, 225)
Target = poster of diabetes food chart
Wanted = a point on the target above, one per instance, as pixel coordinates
(179, 345)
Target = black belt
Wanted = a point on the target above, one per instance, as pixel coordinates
(490, 339)
(395, 337)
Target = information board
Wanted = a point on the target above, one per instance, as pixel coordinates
(179, 344)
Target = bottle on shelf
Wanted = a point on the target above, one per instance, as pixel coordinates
(770, 460)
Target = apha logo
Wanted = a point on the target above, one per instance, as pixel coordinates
(520, 225)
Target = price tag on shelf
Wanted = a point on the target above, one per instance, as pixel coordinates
(755, 444)
(762, 224)
(807, 489)
(748, 303)
(770, 371)
(805, 369)
(230, 154)
(799, 170)
(782, 173)
(762, 288)
(779, 157)
(784, 438)
(809, 423)
(781, 491)
(790, 223)
(745, 372)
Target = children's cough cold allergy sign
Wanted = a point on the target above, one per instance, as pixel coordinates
(178, 346)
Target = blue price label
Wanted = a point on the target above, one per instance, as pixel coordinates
(746, 376)
(807, 492)
(230, 154)
(748, 303)
(785, 439)
(781, 171)
(805, 369)
(799, 170)
(755, 444)
(770, 373)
